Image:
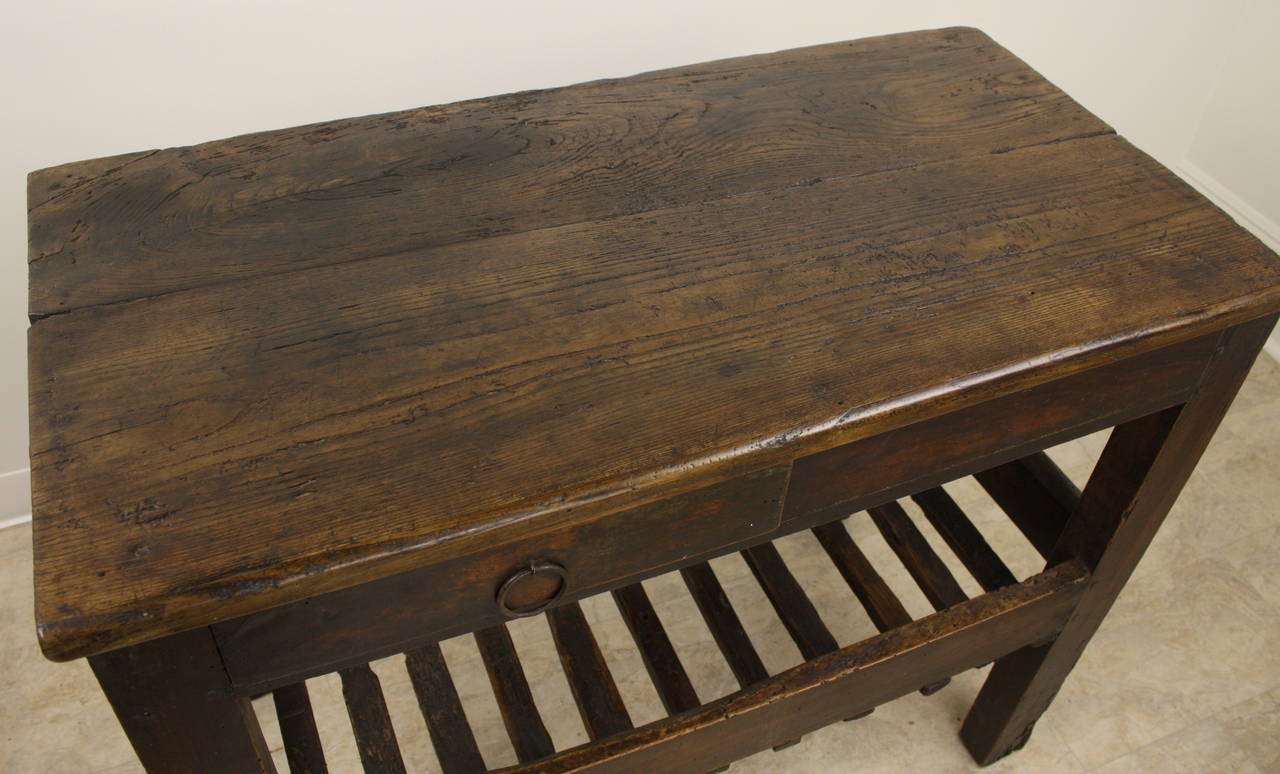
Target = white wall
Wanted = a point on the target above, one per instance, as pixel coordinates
(1193, 83)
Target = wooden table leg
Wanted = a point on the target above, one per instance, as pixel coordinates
(176, 705)
(1141, 471)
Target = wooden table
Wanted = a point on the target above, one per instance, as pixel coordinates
(312, 397)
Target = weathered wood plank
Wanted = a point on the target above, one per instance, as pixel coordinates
(152, 223)
(370, 721)
(520, 715)
(590, 681)
(656, 651)
(726, 628)
(302, 746)
(451, 734)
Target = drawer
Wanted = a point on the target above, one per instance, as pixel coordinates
(461, 595)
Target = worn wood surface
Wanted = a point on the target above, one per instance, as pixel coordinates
(455, 597)
(329, 354)
(837, 685)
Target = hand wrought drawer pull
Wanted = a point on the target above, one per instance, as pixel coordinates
(537, 568)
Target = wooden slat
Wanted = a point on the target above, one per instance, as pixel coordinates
(789, 600)
(1057, 484)
(659, 656)
(446, 722)
(599, 702)
(881, 604)
(722, 620)
(837, 685)
(524, 725)
(370, 721)
(1037, 497)
(933, 577)
(302, 747)
(964, 539)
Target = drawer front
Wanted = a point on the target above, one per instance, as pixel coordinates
(472, 592)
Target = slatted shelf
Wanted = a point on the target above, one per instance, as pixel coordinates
(1034, 494)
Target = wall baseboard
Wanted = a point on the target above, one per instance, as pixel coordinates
(15, 497)
(1245, 214)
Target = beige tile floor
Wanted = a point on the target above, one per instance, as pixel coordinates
(1183, 677)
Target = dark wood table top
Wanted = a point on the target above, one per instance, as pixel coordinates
(285, 363)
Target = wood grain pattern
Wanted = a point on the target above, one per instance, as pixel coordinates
(151, 223)
(394, 614)
(387, 616)
(664, 279)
